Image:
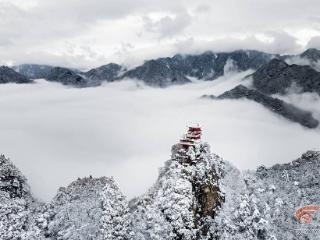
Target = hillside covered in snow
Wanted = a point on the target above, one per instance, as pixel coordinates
(197, 195)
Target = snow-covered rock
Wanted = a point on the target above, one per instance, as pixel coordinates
(18, 209)
(184, 199)
(86, 209)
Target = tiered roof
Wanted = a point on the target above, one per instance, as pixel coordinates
(192, 136)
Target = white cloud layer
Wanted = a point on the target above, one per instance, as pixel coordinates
(55, 134)
(81, 33)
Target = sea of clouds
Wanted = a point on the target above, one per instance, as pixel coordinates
(56, 134)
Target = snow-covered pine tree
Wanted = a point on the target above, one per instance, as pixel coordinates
(16, 204)
(114, 221)
(76, 210)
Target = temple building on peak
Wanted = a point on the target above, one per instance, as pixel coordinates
(187, 149)
(192, 136)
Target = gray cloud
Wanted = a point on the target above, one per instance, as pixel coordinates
(97, 29)
(280, 42)
(168, 26)
(202, 8)
(314, 42)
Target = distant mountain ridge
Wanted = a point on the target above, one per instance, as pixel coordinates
(110, 71)
(160, 72)
(277, 76)
(275, 105)
(157, 73)
(312, 54)
(163, 72)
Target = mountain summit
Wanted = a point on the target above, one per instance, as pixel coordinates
(186, 196)
(277, 76)
(312, 54)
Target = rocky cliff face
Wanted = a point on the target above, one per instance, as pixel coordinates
(277, 76)
(157, 73)
(109, 72)
(66, 77)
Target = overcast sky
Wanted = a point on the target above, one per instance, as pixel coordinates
(84, 34)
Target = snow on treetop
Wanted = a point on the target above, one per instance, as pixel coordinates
(194, 125)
